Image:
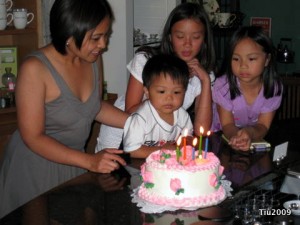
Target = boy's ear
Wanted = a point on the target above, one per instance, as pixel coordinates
(146, 92)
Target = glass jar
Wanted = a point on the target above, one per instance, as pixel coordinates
(8, 79)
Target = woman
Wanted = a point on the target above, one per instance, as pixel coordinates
(58, 97)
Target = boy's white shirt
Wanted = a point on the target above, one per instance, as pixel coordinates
(145, 127)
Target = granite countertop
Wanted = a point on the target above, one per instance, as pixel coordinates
(106, 198)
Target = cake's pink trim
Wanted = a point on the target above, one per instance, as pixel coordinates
(153, 162)
(201, 201)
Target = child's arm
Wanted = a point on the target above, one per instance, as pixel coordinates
(260, 129)
(227, 121)
(203, 103)
(240, 139)
(144, 151)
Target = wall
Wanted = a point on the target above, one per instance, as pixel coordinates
(285, 23)
(120, 48)
(150, 16)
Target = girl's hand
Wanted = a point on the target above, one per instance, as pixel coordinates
(107, 161)
(196, 69)
(241, 141)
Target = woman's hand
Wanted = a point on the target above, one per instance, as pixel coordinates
(107, 161)
(240, 141)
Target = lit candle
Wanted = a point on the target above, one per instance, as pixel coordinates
(184, 143)
(206, 144)
(178, 148)
(200, 140)
(193, 150)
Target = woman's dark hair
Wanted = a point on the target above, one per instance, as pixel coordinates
(271, 80)
(169, 65)
(196, 12)
(73, 18)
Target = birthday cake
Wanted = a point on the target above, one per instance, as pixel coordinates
(184, 182)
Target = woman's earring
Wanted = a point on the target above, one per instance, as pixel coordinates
(67, 44)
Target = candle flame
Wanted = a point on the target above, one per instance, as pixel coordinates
(194, 142)
(185, 132)
(208, 133)
(200, 156)
(179, 140)
(201, 130)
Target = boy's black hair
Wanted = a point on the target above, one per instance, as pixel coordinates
(169, 65)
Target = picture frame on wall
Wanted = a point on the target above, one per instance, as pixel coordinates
(8, 59)
(264, 22)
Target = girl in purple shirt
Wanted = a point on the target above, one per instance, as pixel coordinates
(248, 95)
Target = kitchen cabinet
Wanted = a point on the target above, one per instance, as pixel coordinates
(223, 35)
(8, 124)
(28, 39)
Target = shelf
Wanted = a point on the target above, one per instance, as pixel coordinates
(11, 109)
(12, 31)
(148, 42)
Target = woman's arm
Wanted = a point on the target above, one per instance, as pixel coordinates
(111, 115)
(32, 91)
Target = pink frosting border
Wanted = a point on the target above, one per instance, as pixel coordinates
(200, 201)
(153, 162)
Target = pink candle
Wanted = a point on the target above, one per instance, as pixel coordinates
(206, 144)
(193, 150)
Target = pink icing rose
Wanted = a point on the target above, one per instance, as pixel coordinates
(155, 157)
(221, 169)
(143, 169)
(147, 176)
(171, 161)
(213, 180)
(175, 184)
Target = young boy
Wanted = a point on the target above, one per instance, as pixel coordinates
(160, 119)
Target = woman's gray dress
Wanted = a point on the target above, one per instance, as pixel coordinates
(23, 174)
